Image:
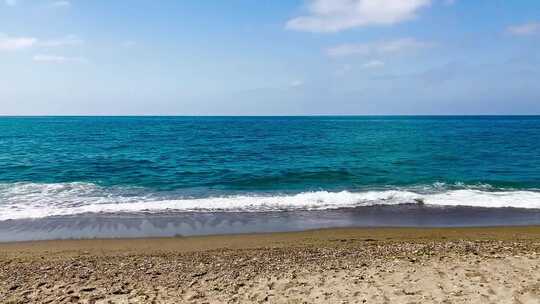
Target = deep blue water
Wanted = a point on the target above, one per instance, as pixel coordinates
(50, 163)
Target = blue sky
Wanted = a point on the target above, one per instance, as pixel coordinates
(240, 57)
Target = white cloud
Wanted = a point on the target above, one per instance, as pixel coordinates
(337, 15)
(61, 4)
(526, 29)
(70, 40)
(377, 48)
(58, 59)
(11, 2)
(8, 43)
(16, 43)
(373, 64)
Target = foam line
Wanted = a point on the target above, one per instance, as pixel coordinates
(28, 200)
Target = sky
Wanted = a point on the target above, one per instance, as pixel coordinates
(255, 57)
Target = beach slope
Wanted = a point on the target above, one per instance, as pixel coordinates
(384, 265)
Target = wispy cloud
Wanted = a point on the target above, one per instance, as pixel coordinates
(343, 69)
(378, 48)
(128, 43)
(11, 2)
(373, 64)
(61, 4)
(70, 40)
(336, 15)
(8, 43)
(16, 43)
(58, 59)
(525, 29)
(296, 83)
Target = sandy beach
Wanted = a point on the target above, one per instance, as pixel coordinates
(384, 265)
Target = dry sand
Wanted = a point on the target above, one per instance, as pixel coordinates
(466, 265)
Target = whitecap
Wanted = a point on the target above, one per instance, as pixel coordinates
(32, 200)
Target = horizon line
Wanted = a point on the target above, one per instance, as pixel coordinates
(300, 115)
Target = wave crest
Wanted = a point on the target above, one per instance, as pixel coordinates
(31, 200)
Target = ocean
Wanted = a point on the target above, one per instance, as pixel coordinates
(55, 167)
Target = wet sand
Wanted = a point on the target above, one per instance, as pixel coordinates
(145, 225)
(360, 265)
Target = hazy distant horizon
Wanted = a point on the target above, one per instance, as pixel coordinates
(270, 116)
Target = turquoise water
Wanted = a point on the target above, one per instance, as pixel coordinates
(69, 165)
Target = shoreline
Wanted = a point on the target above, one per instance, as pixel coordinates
(102, 226)
(378, 233)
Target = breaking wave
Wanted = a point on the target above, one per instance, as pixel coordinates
(33, 200)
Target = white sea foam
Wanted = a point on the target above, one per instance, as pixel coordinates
(29, 200)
